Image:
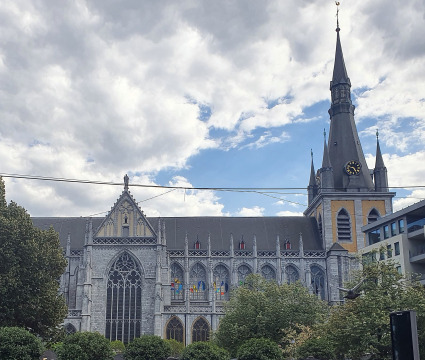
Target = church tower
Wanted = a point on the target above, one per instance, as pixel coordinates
(344, 194)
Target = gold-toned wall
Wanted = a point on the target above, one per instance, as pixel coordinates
(348, 205)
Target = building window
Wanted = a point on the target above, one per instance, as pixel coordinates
(389, 251)
(399, 270)
(381, 254)
(201, 330)
(287, 245)
(393, 229)
(373, 216)
(343, 225)
(70, 329)
(320, 227)
(175, 329)
(242, 245)
(243, 272)
(386, 231)
(374, 236)
(198, 282)
(268, 273)
(124, 300)
(292, 274)
(318, 281)
(396, 248)
(221, 282)
(177, 287)
(401, 226)
(368, 258)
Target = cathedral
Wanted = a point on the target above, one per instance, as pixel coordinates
(129, 274)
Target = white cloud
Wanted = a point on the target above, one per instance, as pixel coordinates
(254, 211)
(289, 213)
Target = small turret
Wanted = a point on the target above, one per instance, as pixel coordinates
(380, 171)
(326, 172)
(312, 185)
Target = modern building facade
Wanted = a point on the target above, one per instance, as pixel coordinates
(400, 237)
(129, 274)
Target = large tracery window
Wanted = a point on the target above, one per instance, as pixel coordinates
(124, 300)
(343, 225)
(318, 281)
(70, 329)
(221, 282)
(198, 282)
(177, 287)
(268, 272)
(200, 330)
(243, 272)
(175, 329)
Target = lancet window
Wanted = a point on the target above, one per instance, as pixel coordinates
(268, 272)
(124, 300)
(243, 272)
(221, 282)
(198, 282)
(200, 330)
(175, 329)
(343, 226)
(177, 282)
(373, 216)
(318, 281)
(292, 274)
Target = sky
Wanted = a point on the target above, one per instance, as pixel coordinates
(201, 94)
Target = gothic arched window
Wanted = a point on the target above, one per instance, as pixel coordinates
(221, 282)
(318, 281)
(373, 216)
(70, 329)
(177, 282)
(175, 329)
(198, 282)
(268, 272)
(343, 225)
(124, 300)
(243, 272)
(292, 274)
(200, 330)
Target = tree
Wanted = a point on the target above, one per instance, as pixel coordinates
(117, 346)
(147, 347)
(19, 344)
(204, 351)
(85, 346)
(264, 309)
(31, 261)
(259, 349)
(176, 347)
(362, 325)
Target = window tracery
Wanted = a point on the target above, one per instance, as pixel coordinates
(221, 282)
(198, 282)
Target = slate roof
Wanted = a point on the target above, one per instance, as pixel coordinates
(220, 229)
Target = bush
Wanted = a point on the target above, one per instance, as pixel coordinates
(176, 347)
(18, 343)
(259, 349)
(204, 351)
(147, 347)
(117, 346)
(85, 346)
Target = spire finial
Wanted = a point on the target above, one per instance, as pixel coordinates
(126, 182)
(337, 3)
(377, 134)
(311, 151)
(324, 133)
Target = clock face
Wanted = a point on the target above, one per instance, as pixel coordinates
(353, 167)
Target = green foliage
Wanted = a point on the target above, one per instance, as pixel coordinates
(264, 309)
(176, 347)
(117, 346)
(147, 347)
(19, 344)
(259, 349)
(320, 348)
(204, 351)
(362, 325)
(31, 261)
(85, 346)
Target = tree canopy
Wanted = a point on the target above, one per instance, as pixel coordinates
(362, 326)
(85, 346)
(19, 344)
(31, 262)
(264, 309)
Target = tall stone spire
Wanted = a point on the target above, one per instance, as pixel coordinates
(344, 144)
(380, 171)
